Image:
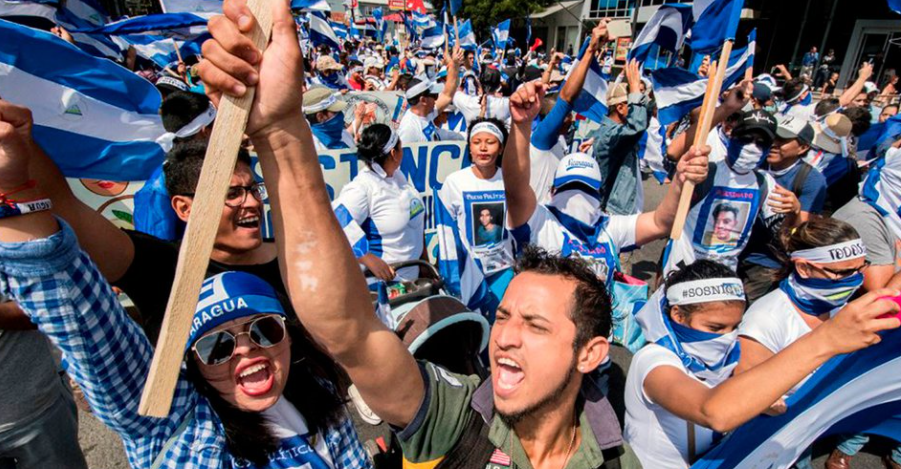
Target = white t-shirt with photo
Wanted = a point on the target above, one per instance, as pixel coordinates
(658, 437)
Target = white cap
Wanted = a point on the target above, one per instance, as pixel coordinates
(870, 87)
(578, 167)
(373, 62)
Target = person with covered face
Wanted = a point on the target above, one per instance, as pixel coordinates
(325, 112)
(681, 395)
(724, 208)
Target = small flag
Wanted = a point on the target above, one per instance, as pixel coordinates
(321, 32)
(501, 34)
(666, 29)
(592, 100)
(715, 21)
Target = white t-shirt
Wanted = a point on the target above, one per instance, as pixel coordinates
(545, 231)
(716, 139)
(390, 213)
(774, 322)
(289, 426)
(737, 201)
(543, 165)
(470, 200)
(470, 106)
(417, 129)
(659, 438)
(806, 113)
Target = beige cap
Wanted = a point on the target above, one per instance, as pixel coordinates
(557, 76)
(829, 132)
(618, 93)
(320, 98)
(326, 62)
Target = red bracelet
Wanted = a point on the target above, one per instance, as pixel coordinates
(4, 196)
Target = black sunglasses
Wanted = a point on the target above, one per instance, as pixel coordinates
(219, 347)
(843, 273)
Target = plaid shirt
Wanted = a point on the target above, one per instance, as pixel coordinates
(58, 286)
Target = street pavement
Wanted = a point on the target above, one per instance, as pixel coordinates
(103, 449)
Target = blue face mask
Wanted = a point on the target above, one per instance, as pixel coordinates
(330, 132)
(744, 158)
(818, 296)
(332, 80)
(806, 101)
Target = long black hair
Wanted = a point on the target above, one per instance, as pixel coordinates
(315, 387)
(371, 148)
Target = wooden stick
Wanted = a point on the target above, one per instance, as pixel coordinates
(194, 256)
(180, 60)
(705, 121)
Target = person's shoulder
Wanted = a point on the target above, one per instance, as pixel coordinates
(768, 308)
(653, 354)
(856, 210)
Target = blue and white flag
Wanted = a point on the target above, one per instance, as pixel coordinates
(321, 32)
(380, 23)
(98, 45)
(87, 11)
(201, 8)
(160, 49)
(310, 5)
(895, 5)
(678, 91)
(715, 21)
(422, 21)
(467, 37)
(882, 188)
(592, 100)
(29, 9)
(339, 29)
(455, 6)
(501, 34)
(652, 149)
(432, 38)
(184, 25)
(94, 118)
(854, 393)
(666, 29)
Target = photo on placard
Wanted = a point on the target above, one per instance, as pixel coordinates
(726, 223)
(488, 223)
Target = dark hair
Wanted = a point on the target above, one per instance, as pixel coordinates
(724, 208)
(500, 125)
(490, 79)
(591, 307)
(816, 232)
(826, 106)
(700, 269)
(372, 143)
(180, 108)
(315, 387)
(415, 100)
(791, 88)
(183, 164)
(860, 118)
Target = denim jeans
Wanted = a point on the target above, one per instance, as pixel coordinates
(48, 441)
(852, 444)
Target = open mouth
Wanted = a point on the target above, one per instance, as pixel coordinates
(251, 222)
(255, 379)
(509, 375)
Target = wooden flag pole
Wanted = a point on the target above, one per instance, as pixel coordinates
(705, 121)
(456, 30)
(178, 54)
(194, 256)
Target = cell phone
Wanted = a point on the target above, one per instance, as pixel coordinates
(619, 28)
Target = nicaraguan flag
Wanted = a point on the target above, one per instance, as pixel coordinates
(432, 38)
(181, 24)
(715, 21)
(422, 21)
(98, 45)
(501, 34)
(380, 23)
(321, 32)
(339, 29)
(666, 29)
(201, 8)
(94, 118)
(310, 5)
(467, 36)
(160, 49)
(592, 100)
(28, 9)
(678, 91)
(87, 11)
(854, 393)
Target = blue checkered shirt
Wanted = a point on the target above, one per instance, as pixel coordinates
(58, 286)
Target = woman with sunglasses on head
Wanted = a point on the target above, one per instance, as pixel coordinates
(475, 252)
(681, 394)
(381, 213)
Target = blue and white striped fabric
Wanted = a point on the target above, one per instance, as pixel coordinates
(93, 117)
(310, 5)
(355, 234)
(160, 49)
(85, 16)
(202, 8)
(462, 276)
(45, 10)
(432, 38)
(182, 24)
(882, 189)
(715, 21)
(854, 393)
(422, 21)
(321, 32)
(467, 37)
(87, 11)
(666, 29)
(380, 23)
(652, 148)
(592, 100)
(339, 29)
(501, 34)
(678, 91)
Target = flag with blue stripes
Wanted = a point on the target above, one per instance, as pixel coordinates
(310, 5)
(854, 393)
(501, 34)
(321, 32)
(380, 23)
(666, 29)
(82, 15)
(202, 8)
(467, 36)
(715, 21)
(678, 91)
(160, 49)
(339, 28)
(592, 100)
(422, 21)
(46, 10)
(94, 118)
(181, 24)
(432, 38)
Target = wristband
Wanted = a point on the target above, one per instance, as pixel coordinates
(13, 208)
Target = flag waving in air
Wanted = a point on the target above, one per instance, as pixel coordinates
(666, 29)
(715, 21)
(501, 34)
(592, 100)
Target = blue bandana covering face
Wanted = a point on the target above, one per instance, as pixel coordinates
(331, 131)
(816, 296)
(744, 158)
(332, 80)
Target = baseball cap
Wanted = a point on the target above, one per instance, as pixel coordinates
(791, 127)
(373, 62)
(618, 94)
(870, 87)
(578, 168)
(326, 62)
(757, 119)
(762, 92)
(829, 132)
(229, 296)
(320, 98)
(418, 87)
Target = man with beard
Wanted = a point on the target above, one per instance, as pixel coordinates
(556, 311)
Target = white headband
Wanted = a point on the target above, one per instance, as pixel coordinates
(854, 249)
(321, 105)
(489, 127)
(392, 142)
(418, 89)
(798, 96)
(705, 291)
(191, 128)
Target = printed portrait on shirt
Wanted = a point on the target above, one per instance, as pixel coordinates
(488, 223)
(726, 223)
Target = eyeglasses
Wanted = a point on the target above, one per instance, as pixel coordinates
(219, 347)
(843, 273)
(237, 195)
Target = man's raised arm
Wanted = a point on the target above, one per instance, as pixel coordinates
(323, 279)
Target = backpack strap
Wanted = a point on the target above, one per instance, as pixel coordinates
(801, 178)
(473, 449)
(161, 456)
